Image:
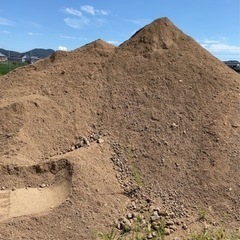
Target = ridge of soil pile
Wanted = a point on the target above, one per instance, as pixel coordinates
(158, 104)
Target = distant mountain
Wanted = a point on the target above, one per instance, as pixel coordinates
(36, 52)
(39, 52)
(10, 53)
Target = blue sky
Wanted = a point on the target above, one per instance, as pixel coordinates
(69, 24)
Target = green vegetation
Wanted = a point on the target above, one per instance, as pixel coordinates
(210, 232)
(203, 214)
(112, 235)
(214, 234)
(143, 227)
(135, 171)
(137, 177)
(140, 229)
(6, 67)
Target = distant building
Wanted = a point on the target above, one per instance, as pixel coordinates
(3, 58)
(34, 59)
(27, 59)
(235, 65)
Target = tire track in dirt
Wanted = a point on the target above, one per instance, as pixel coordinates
(22, 201)
(4, 204)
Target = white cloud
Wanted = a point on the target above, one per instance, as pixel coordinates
(5, 32)
(62, 48)
(221, 48)
(89, 9)
(72, 37)
(217, 46)
(100, 21)
(113, 42)
(77, 23)
(80, 20)
(34, 34)
(103, 12)
(72, 12)
(6, 22)
(211, 41)
(68, 37)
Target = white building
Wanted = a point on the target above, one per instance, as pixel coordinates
(26, 58)
(3, 58)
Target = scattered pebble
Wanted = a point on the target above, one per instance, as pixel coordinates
(100, 141)
(184, 227)
(167, 231)
(174, 125)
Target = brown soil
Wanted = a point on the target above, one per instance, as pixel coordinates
(79, 125)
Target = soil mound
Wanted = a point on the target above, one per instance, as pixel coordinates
(160, 34)
(158, 111)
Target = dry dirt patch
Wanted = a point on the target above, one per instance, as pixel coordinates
(165, 106)
(54, 187)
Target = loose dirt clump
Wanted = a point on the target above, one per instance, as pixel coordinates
(149, 130)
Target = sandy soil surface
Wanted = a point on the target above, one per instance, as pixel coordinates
(91, 135)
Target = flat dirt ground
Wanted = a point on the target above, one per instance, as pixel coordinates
(92, 138)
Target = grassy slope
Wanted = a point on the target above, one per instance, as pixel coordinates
(6, 67)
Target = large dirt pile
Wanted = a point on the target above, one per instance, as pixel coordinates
(79, 124)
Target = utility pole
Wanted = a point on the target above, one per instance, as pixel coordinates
(9, 67)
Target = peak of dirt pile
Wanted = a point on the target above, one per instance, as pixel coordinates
(99, 45)
(96, 123)
(160, 34)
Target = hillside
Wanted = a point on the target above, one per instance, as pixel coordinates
(37, 52)
(90, 135)
(12, 53)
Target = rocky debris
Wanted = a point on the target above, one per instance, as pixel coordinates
(94, 136)
(158, 92)
(167, 231)
(43, 185)
(126, 176)
(81, 142)
(85, 141)
(172, 207)
(149, 222)
(235, 125)
(167, 218)
(174, 125)
(100, 141)
(184, 226)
